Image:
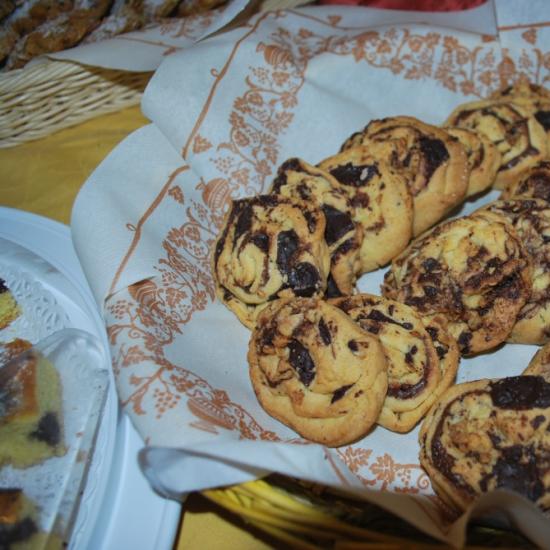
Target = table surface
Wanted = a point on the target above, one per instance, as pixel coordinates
(44, 177)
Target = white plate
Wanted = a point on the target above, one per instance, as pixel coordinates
(118, 509)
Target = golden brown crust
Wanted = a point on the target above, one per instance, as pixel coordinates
(540, 363)
(296, 179)
(473, 271)
(382, 203)
(532, 183)
(317, 371)
(483, 158)
(433, 163)
(518, 136)
(486, 435)
(270, 247)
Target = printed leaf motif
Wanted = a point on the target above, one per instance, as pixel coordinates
(200, 145)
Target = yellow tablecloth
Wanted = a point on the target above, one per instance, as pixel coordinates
(44, 177)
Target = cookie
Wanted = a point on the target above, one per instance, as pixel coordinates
(422, 358)
(12, 349)
(315, 370)
(540, 363)
(531, 220)
(297, 179)
(522, 89)
(483, 158)
(532, 183)
(473, 271)
(269, 247)
(433, 163)
(486, 435)
(518, 136)
(9, 308)
(382, 202)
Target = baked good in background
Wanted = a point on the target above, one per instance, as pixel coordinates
(31, 417)
(511, 126)
(483, 159)
(540, 363)
(473, 271)
(382, 203)
(270, 247)
(422, 357)
(532, 183)
(9, 308)
(531, 220)
(19, 526)
(29, 28)
(433, 163)
(317, 371)
(299, 180)
(486, 435)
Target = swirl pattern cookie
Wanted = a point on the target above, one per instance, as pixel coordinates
(317, 371)
(299, 180)
(531, 220)
(483, 158)
(270, 247)
(433, 163)
(486, 435)
(533, 183)
(540, 363)
(382, 203)
(473, 271)
(422, 358)
(518, 136)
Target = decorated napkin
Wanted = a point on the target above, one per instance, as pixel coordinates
(225, 114)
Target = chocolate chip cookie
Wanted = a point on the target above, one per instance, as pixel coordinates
(487, 435)
(422, 357)
(473, 271)
(433, 163)
(511, 126)
(531, 220)
(382, 203)
(532, 183)
(297, 179)
(270, 247)
(317, 371)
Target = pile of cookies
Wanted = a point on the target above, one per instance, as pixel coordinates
(29, 28)
(330, 362)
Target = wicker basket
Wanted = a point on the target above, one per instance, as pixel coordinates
(308, 516)
(38, 100)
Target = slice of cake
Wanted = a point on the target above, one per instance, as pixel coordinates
(30, 411)
(9, 308)
(19, 529)
(10, 350)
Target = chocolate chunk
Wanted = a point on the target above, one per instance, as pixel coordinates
(380, 317)
(339, 393)
(406, 391)
(352, 345)
(332, 290)
(435, 154)
(516, 469)
(543, 118)
(17, 533)
(464, 341)
(324, 332)
(261, 240)
(3, 286)
(355, 176)
(287, 246)
(521, 392)
(311, 220)
(300, 360)
(244, 221)
(537, 421)
(48, 430)
(304, 279)
(338, 224)
(431, 264)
